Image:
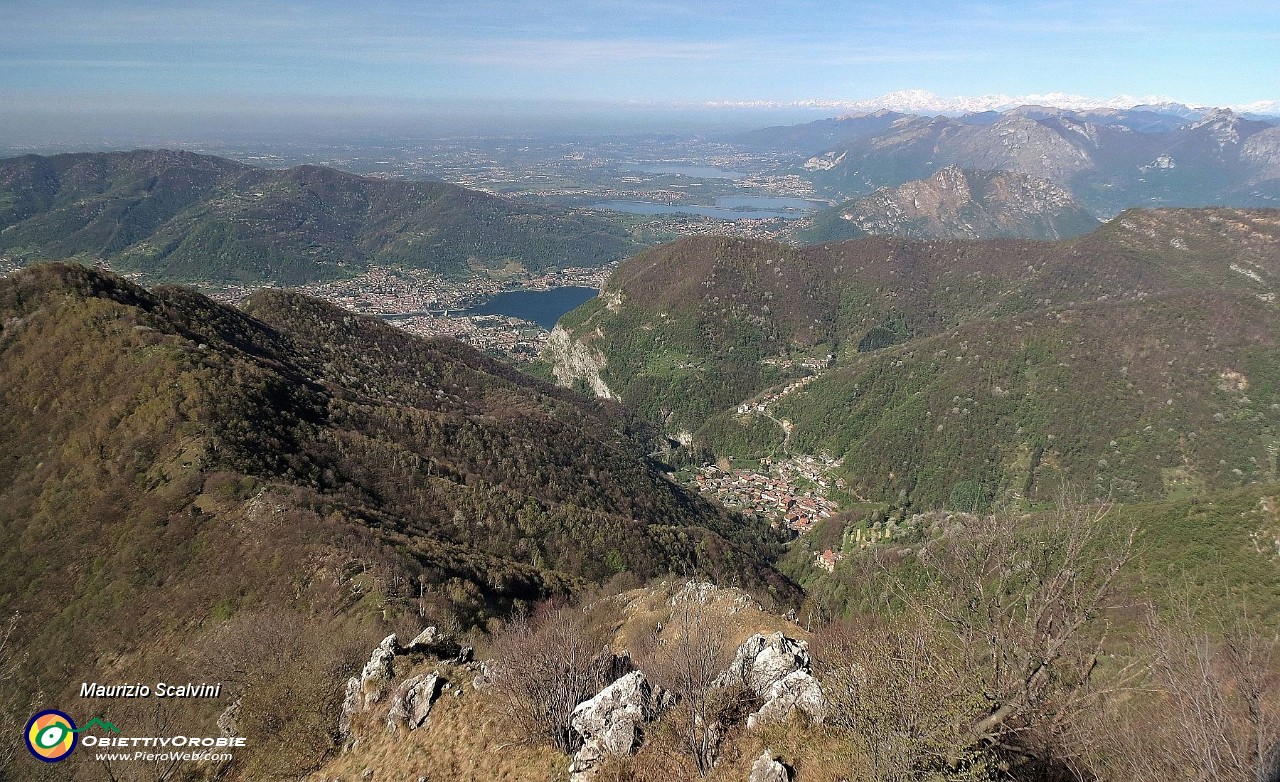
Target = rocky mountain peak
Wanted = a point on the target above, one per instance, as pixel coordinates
(1226, 128)
(959, 203)
(1217, 117)
(951, 178)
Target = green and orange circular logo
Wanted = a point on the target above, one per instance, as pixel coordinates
(51, 735)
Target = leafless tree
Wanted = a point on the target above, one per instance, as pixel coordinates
(288, 671)
(898, 687)
(1027, 600)
(544, 665)
(157, 717)
(694, 648)
(1220, 681)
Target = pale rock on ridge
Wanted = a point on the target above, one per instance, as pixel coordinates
(768, 769)
(778, 670)
(412, 702)
(612, 722)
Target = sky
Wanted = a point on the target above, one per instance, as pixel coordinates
(331, 59)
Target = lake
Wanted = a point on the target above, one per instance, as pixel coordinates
(765, 202)
(701, 172)
(542, 307)
(726, 208)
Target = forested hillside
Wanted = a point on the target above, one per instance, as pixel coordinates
(174, 470)
(988, 368)
(188, 217)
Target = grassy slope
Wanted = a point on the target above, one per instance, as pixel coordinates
(1216, 551)
(1132, 399)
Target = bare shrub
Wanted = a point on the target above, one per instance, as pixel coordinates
(155, 717)
(1211, 709)
(1028, 603)
(694, 648)
(289, 671)
(900, 689)
(996, 649)
(544, 665)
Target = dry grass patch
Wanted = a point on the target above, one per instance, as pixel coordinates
(463, 739)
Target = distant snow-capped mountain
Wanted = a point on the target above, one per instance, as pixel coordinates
(1108, 159)
(924, 102)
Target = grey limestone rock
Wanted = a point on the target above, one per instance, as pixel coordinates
(777, 669)
(435, 643)
(768, 769)
(484, 678)
(229, 720)
(351, 704)
(612, 722)
(797, 691)
(763, 660)
(411, 704)
(366, 689)
(379, 670)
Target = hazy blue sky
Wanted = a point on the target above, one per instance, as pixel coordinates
(345, 56)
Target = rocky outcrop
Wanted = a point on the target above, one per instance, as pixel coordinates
(1262, 152)
(797, 691)
(777, 669)
(229, 719)
(731, 599)
(378, 671)
(763, 660)
(435, 643)
(351, 704)
(960, 204)
(612, 722)
(484, 678)
(767, 768)
(410, 698)
(411, 704)
(366, 689)
(572, 361)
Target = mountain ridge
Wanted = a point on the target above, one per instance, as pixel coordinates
(689, 331)
(1108, 161)
(199, 463)
(183, 216)
(914, 101)
(957, 203)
